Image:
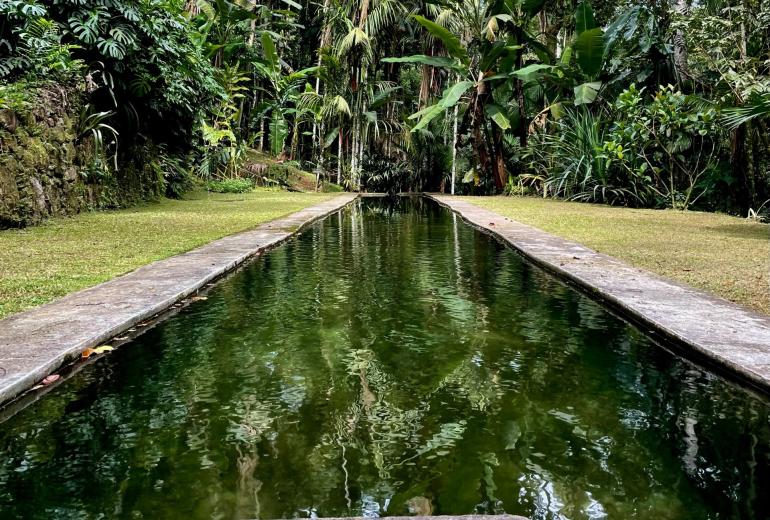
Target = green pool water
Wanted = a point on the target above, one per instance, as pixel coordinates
(389, 360)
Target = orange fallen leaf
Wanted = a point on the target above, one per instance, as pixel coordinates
(87, 353)
(51, 379)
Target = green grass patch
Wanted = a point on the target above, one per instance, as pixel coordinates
(63, 255)
(230, 186)
(724, 255)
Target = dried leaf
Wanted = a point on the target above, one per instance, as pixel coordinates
(51, 379)
(198, 298)
(103, 349)
(87, 353)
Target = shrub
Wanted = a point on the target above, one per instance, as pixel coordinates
(230, 186)
(672, 139)
(571, 163)
(177, 176)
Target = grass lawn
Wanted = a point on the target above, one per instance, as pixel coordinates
(725, 255)
(41, 263)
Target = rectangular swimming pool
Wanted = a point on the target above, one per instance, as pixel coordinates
(390, 360)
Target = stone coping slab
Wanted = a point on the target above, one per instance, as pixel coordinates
(714, 330)
(438, 517)
(35, 343)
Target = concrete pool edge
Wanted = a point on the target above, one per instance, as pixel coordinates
(721, 333)
(37, 342)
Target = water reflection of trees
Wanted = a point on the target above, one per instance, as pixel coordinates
(376, 359)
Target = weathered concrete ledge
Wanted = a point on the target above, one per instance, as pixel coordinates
(712, 329)
(439, 517)
(35, 343)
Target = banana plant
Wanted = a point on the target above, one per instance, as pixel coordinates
(589, 54)
(486, 60)
(282, 95)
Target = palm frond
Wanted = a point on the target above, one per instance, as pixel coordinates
(758, 106)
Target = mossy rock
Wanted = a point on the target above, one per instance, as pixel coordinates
(44, 167)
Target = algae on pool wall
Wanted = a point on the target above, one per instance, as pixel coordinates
(389, 360)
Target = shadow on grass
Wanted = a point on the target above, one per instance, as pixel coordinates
(758, 232)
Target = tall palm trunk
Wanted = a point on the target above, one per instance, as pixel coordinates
(340, 156)
(354, 154)
(454, 150)
(262, 132)
(362, 139)
(324, 42)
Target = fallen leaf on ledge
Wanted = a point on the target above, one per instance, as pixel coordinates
(51, 379)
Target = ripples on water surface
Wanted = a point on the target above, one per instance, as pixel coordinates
(390, 358)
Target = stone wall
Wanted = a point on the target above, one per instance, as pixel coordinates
(44, 167)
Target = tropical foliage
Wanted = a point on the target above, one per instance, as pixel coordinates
(657, 104)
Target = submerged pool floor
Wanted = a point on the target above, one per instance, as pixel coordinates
(390, 360)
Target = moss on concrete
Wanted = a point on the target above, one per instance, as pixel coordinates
(44, 164)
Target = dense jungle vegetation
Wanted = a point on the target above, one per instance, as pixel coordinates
(660, 103)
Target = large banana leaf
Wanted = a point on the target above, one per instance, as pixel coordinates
(270, 54)
(497, 50)
(497, 115)
(450, 98)
(529, 70)
(453, 94)
(589, 51)
(587, 92)
(454, 46)
(584, 18)
(331, 136)
(422, 59)
(279, 130)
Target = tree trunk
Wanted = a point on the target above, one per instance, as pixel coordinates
(681, 69)
(354, 155)
(340, 156)
(521, 131)
(294, 141)
(324, 42)
(454, 149)
(262, 132)
(360, 160)
(498, 164)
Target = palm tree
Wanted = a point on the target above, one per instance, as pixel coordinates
(362, 24)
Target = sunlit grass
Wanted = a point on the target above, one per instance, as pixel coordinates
(725, 255)
(41, 263)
